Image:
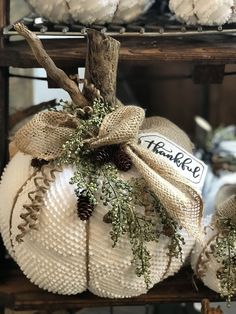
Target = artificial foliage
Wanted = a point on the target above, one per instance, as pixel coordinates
(225, 253)
(96, 178)
(145, 197)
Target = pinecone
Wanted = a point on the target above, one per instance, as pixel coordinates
(168, 231)
(84, 207)
(38, 163)
(103, 154)
(234, 260)
(122, 161)
(107, 218)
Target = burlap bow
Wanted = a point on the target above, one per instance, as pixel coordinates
(227, 208)
(122, 126)
(181, 201)
(43, 137)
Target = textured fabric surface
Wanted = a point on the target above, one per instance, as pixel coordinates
(227, 208)
(44, 136)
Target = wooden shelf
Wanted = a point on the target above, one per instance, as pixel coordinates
(17, 293)
(208, 49)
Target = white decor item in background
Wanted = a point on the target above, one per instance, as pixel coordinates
(89, 11)
(213, 12)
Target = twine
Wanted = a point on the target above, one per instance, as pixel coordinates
(204, 257)
(41, 181)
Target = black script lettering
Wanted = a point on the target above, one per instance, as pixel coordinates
(195, 172)
(159, 146)
(178, 159)
(150, 143)
(186, 162)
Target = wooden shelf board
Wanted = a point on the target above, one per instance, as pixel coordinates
(16, 292)
(71, 52)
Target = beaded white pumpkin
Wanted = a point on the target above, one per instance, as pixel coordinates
(213, 12)
(89, 11)
(203, 260)
(57, 256)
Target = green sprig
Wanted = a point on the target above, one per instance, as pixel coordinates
(145, 197)
(140, 230)
(75, 147)
(225, 253)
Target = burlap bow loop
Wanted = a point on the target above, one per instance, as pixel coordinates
(43, 137)
(181, 201)
(120, 126)
(227, 208)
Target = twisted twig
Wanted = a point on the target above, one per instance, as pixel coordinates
(52, 70)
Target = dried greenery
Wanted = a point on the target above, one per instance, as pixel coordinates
(75, 147)
(95, 180)
(157, 212)
(225, 253)
(126, 220)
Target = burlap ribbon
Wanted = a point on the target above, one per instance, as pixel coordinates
(43, 137)
(226, 203)
(122, 126)
(181, 201)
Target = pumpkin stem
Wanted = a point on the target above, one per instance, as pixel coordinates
(52, 70)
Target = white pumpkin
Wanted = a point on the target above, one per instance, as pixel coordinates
(213, 12)
(89, 11)
(183, 10)
(57, 256)
(203, 261)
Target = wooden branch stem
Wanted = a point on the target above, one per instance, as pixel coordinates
(101, 65)
(207, 309)
(52, 70)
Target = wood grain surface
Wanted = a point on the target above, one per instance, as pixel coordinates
(16, 292)
(72, 52)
